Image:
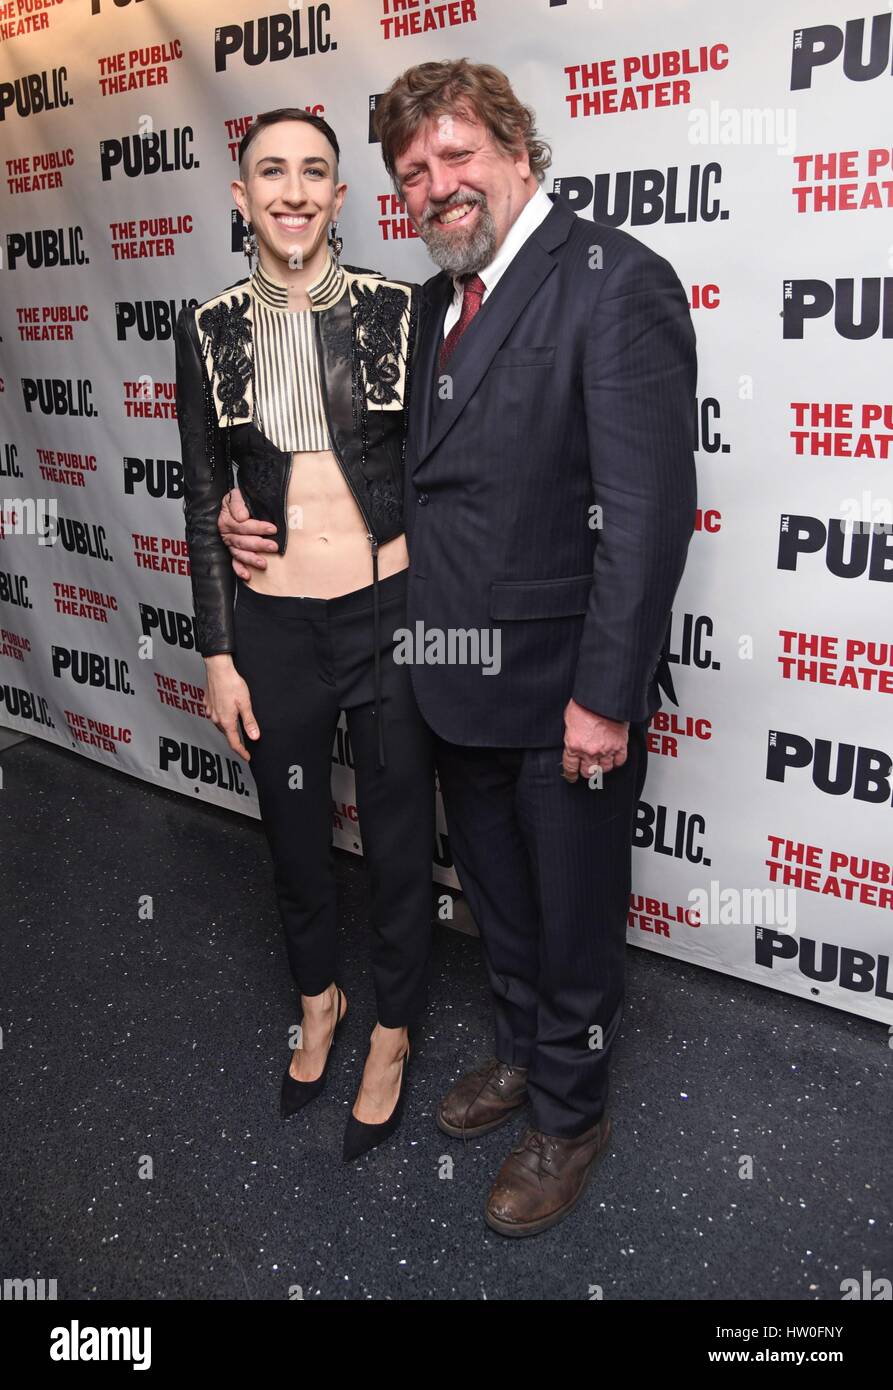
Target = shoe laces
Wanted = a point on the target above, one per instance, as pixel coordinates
(484, 1074)
(543, 1145)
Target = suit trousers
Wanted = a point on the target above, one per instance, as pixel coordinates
(546, 867)
(304, 660)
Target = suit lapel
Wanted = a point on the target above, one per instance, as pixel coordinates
(438, 293)
(488, 332)
(489, 329)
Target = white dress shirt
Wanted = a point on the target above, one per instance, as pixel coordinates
(534, 211)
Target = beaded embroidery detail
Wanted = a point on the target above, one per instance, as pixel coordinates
(227, 335)
(378, 314)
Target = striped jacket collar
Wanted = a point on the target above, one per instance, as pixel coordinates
(325, 291)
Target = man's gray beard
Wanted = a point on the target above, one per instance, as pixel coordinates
(459, 255)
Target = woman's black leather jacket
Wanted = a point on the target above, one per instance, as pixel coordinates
(365, 343)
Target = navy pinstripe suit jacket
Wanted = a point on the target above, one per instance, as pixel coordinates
(550, 486)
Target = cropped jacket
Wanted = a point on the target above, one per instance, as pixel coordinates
(365, 330)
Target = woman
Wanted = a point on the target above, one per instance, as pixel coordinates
(300, 377)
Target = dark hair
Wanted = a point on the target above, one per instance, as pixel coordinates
(468, 89)
(288, 113)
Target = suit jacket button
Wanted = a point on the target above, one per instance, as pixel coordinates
(423, 499)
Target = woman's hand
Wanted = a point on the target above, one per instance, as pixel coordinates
(226, 700)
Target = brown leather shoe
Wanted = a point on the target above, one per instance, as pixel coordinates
(483, 1100)
(543, 1178)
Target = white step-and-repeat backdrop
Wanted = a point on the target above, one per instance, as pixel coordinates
(750, 145)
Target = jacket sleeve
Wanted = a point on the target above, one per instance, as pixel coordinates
(205, 481)
(639, 384)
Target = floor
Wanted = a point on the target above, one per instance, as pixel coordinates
(145, 1010)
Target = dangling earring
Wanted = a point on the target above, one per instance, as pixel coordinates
(249, 246)
(336, 243)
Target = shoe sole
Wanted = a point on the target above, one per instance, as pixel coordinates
(455, 1132)
(533, 1228)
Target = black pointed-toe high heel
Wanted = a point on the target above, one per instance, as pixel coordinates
(296, 1094)
(359, 1138)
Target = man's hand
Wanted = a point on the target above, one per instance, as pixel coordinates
(590, 741)
(247, 539)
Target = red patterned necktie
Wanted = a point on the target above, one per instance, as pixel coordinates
(471, 302)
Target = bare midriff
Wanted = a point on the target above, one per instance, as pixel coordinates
(328, 552)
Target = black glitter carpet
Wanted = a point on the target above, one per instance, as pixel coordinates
(145, 1006)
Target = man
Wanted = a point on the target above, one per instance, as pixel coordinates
(550, 500)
